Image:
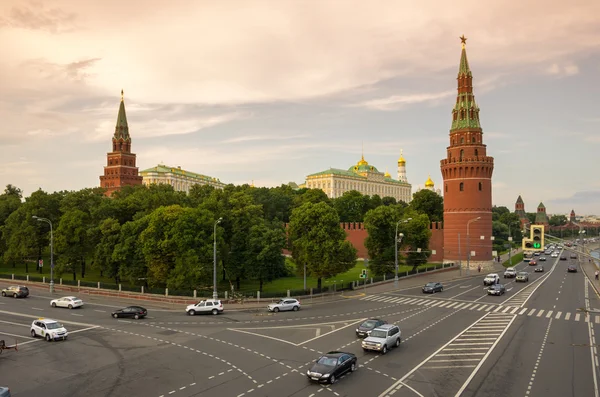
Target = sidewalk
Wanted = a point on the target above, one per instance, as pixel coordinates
(590, 267)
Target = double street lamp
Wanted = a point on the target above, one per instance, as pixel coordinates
(398, 239)
(468, 239)
(215, 294)
(48, 221)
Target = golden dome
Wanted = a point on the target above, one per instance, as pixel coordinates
(362, 161)
(429, 182)
(387, 174)
(401, 160)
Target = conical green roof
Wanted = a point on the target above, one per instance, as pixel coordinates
(122, 128)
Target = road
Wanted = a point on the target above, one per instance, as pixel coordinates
(539, 339)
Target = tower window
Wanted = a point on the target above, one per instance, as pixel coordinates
(473, 140)
(446, 188)
(476, 151)
(462, 153)
(462, 140)
(480, 186)
(462, 187)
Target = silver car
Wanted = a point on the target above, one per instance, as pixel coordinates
(383, 338)
(285, 304)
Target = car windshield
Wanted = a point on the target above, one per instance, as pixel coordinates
(328, 361)
(430, 285)
(53, 325)
(379, 334)
(369, 324)
(523, 273)
(495, 287)
(280, 302)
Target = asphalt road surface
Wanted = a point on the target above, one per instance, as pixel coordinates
(539, 339)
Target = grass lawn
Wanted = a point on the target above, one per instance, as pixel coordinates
(516, 258)
(280, 285)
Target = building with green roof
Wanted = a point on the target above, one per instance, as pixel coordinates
(181, 180)
(364, 178)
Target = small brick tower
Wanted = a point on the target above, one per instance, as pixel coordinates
(520, 211)
(541, 218)
(572, 218)
(467, 174)
(120, 169)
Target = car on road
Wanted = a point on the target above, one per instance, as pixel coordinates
(563, 258)
(383, 338)
(510, 272)
(496, 289)
(366, 327)
(16, 291)
(331, 366)
(532, 263)
(522, 277)
(4, 391)
(213, 306)
(572, 269)
(542, 259)
(573, 256)
(536, 254)
(431, 288)
(554, 255)
(48, 329)
(70, 302)
(539, 269)
(285, 304)
(491, 279)
(136, 312)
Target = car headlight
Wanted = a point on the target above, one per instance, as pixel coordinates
(325, 376)
(378, 344)
(308, 372)
(356, 329)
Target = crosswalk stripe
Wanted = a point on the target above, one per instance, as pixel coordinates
(558, 315)
(482, 308)
(451, 305)
(577, 316)
(421, 302)
(549, 314)
(469, 305)
(587, 318)
(498, 308)
(540, 313)
(396, 300)
(597, 319)
(523, 311)
(514, 310)
(475, 307)
(444, 304)
(531, 312)
(567, 316)
(437, 303)
(459, 306)
(410, 301)
(505, 310)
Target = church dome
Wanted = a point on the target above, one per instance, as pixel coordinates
(429, 182)
(362, 166)
(387, 174)
(401, 160)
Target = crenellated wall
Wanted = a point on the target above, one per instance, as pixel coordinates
(357, 234)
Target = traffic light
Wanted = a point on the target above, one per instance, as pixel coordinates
(537, 236)
(527, 244)
(364, 273)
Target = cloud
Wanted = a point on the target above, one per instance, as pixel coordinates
(34, 16)
(247, 138)
(562, 70)
(583, 198)
(395, 102)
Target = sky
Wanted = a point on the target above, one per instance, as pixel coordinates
(271, 91)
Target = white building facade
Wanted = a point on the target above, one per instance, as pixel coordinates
(363, 178)
(181, 180)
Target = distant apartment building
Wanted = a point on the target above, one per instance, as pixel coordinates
(181, 180)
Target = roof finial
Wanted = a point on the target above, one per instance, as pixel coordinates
(121, 94)
(362, 150)
(463, 40)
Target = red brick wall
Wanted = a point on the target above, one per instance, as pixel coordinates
(436, 242)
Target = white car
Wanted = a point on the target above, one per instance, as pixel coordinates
(491, 279)
(510, 272)
(213, 306)
(48, 329)
(285, 304)
(68, 301)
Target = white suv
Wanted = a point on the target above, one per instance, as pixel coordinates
(491, 279)
(284, 304)
(49, 329)
(510, 273)
(383, 338)
(213, 306)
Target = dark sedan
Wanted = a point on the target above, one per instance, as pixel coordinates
(542, 258)
(572, 269)
(430, 288)
(497, 289)
(539, 269)
(563, 258)
(573, 256)
(331, 366)
(366, 327)
(136, 312)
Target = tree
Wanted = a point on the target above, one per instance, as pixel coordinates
(429, 203)
(388, 201)
(128, 252)
(110, 232)
(318, 242)
(558, 220)
(313, 196)
(498, 212)
(265, 261)
(351, 206)
(380, 224)
(71, 241)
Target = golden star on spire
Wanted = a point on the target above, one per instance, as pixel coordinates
(463, 40)
(121, 94)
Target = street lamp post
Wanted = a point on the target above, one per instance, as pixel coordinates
(510, 240)
(582, 236)
(48, 221)
(468, 242)
(398, 239)
(215, 295)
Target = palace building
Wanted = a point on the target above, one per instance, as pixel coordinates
(120, 169)
(467, 174)
(181, 180)
(364, 178)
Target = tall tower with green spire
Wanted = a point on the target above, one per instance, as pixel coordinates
(467, 173)
(120, 169)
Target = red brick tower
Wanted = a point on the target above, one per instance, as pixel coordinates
(120, 169)
(467, 174)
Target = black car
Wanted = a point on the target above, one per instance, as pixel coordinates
(130, 311)
(563, 258)
(366, 327)
(542, 258)
(573, 256)
(572, 269)
(497, 289)
(539, 269)
(329, 367)
(430, 288)
(16, 291)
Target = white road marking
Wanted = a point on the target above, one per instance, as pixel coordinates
(37, 308)
(101, 311)
(567, 316)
